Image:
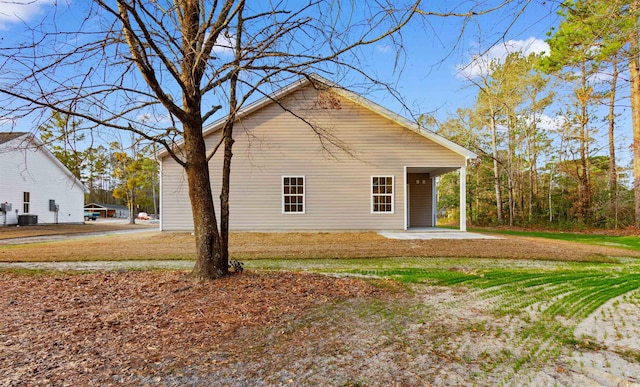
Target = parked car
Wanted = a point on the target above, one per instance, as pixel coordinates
(143, 216)
(89, 215)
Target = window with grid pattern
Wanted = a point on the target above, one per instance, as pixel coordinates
(26, 199)
(382, 194)
(293, 195)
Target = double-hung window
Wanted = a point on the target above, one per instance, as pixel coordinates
(26, 200)
(382, 194)
(293, 195)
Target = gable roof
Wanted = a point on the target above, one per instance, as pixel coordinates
(358, 99)
(106, 206)
(6, 137)
(30, 139)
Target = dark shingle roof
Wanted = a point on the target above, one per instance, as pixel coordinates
(108, 206)
(4, 136)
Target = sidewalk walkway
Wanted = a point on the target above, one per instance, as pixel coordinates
(435, 234)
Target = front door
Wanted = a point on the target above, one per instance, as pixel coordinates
(420, 200)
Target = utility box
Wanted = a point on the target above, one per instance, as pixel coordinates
(27, 220)
(52, 205)
(5, 207)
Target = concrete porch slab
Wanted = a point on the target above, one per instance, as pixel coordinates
(435, 234)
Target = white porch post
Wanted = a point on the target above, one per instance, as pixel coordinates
(463, 199)
(161, 208)
(434, 200)
(406, 198)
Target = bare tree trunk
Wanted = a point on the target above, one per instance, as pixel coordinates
(511, 198)
(209, 258)
(224, 194)
(550, 198)
(226, 179)
(228, 143)
(496, 170)
(584, 186)
(510, 172)
(531, 182)
(634, 72)
(532, 156)
(132, 207)
(613, 173)
(477, 196)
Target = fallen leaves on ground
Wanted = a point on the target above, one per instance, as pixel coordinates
(109, 327)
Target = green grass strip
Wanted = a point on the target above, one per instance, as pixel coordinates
(625, 242)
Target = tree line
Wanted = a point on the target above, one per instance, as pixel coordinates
(114, 172)
(536, 124)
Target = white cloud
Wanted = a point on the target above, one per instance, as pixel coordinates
(551, 124)
(13, 11)
(547, 123)
(160, 120)
(479, 64)
(224, 44)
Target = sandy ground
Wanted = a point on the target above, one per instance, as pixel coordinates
(285, 329)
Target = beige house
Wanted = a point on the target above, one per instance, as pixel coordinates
(314, 156)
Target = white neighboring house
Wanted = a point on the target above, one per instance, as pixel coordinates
(33, 182)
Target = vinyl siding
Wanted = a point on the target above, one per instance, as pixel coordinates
(271, 143)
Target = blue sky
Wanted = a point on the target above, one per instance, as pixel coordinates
(439, 61)
(439, 53)
(431, 77)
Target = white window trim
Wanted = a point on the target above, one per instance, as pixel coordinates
(304, 194)
(26, 204)
(393, 195)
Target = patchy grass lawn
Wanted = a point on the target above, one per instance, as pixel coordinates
(155, 245)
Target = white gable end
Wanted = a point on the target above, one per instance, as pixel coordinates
(31, 178)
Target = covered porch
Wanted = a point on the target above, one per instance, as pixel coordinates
(420, 196)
